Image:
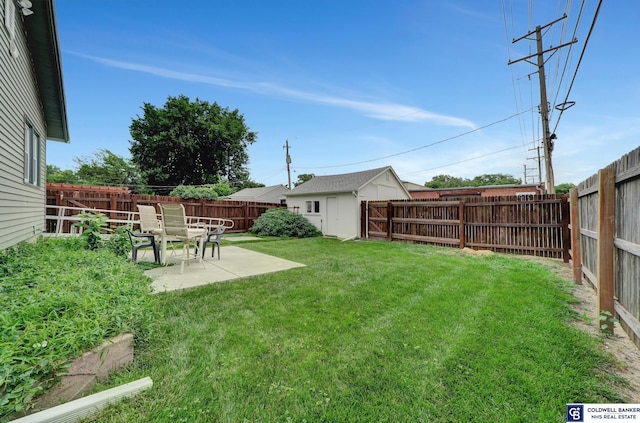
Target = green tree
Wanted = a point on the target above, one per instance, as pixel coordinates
(303, 177)
(58, 176)
(190, 143)
(564, 188)
(108, 168)
(446, 181)
(249, 183)
(494, 179)
(208, 192)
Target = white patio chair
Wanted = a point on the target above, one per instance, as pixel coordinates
(149, 222)
(174, 224)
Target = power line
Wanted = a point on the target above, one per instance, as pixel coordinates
(584, 47)
(570, 50)
(417, 148)
(465, 160)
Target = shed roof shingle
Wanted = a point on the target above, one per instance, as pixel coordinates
(338, 183)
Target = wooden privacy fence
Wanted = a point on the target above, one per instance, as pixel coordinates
(530, 225)
(606, 233)
(120, 205)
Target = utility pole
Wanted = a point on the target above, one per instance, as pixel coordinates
(544, 104)
(288, 159)
(539, 159)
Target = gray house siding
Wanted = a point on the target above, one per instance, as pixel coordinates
(22, 211)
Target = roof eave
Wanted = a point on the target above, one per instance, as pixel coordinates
(42, 37)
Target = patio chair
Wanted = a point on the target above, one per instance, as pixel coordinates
(137, 243)
(149, 222)
(174, 224)
(213, 238)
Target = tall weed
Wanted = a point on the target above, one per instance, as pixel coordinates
(59, 300)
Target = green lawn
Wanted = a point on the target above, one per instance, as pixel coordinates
(370, 332)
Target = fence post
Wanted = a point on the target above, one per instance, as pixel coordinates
(566, 239)
(576, 252)
(389, 214)
(461, 219)
(246, 216)
(363, 220)
(113, 205)
(606, 233)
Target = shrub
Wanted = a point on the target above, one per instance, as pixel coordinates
(204, 192)
(59, 300)
(93, 225)
(119, 243)
(284, 223)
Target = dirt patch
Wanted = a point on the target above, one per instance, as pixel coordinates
(624, 352)
(473, 252)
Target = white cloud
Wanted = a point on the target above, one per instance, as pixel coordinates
(372, 109)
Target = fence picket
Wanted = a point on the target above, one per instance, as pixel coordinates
(518, 225)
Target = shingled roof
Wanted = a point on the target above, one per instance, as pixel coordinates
(345, 182)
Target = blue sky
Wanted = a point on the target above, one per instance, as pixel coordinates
(423, 86)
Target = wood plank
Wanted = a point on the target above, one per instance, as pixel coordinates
(461, 220)
(566, 240)
(628, 318)
(514, 225)
(429, 239)
(389, 223)
(606, 231)
(576, 257)
(591, 277)
(488, 246)
(426, 221)
(588, 233)
(627, 246)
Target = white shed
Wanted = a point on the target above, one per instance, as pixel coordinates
(332, 203)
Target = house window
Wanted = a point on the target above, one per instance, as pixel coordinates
(313, 206)
(31, 156)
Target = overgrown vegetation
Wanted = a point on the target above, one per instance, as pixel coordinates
(206, 192)
(370, 332)
(95, 226)
(60, 299)
(284, 223)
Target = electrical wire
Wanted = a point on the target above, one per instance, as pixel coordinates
(584, 47)
(417, 148)
(465, 160)
(566, 63)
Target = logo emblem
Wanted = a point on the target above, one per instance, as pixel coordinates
(575, 413)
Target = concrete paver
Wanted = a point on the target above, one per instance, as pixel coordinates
(235, 262)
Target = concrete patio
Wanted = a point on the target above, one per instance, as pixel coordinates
(235, 262)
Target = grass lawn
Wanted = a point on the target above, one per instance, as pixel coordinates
(370, 332)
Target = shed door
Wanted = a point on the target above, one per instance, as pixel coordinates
(332, 216)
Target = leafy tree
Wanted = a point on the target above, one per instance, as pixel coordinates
(249, 183)
(110, 169)
(494, 179)
(191, 143)
(446, 181)
(207, 192)
(564, 188)
(59, 176)
(303, 177)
